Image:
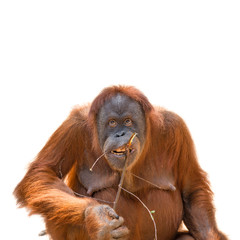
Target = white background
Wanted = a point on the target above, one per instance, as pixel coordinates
(184, 55)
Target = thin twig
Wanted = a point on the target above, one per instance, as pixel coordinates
(78, 194)
(154, 223)
(120, 184)
(91, 168)
(171, 187)
(121, 181)
(128, 145)
(146, 181)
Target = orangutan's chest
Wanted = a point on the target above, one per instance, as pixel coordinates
(140, 210)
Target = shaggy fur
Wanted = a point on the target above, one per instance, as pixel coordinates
(168, 159)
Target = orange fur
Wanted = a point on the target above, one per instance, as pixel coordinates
(168, 156)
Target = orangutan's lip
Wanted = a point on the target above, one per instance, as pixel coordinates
(122, 151)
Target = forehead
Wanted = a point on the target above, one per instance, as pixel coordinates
(120, 105)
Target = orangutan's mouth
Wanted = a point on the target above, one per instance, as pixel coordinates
(122, 151)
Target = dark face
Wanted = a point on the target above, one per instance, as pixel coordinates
(117, 120)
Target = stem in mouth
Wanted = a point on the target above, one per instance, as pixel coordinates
(121, 151)
(128, 145)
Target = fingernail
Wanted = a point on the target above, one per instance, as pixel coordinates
(114, 215)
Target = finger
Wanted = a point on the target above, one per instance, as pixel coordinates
(120, 232)
(116, 223)
(112, 214)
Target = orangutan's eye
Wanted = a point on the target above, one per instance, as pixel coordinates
(112, 123)
(128, 122)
